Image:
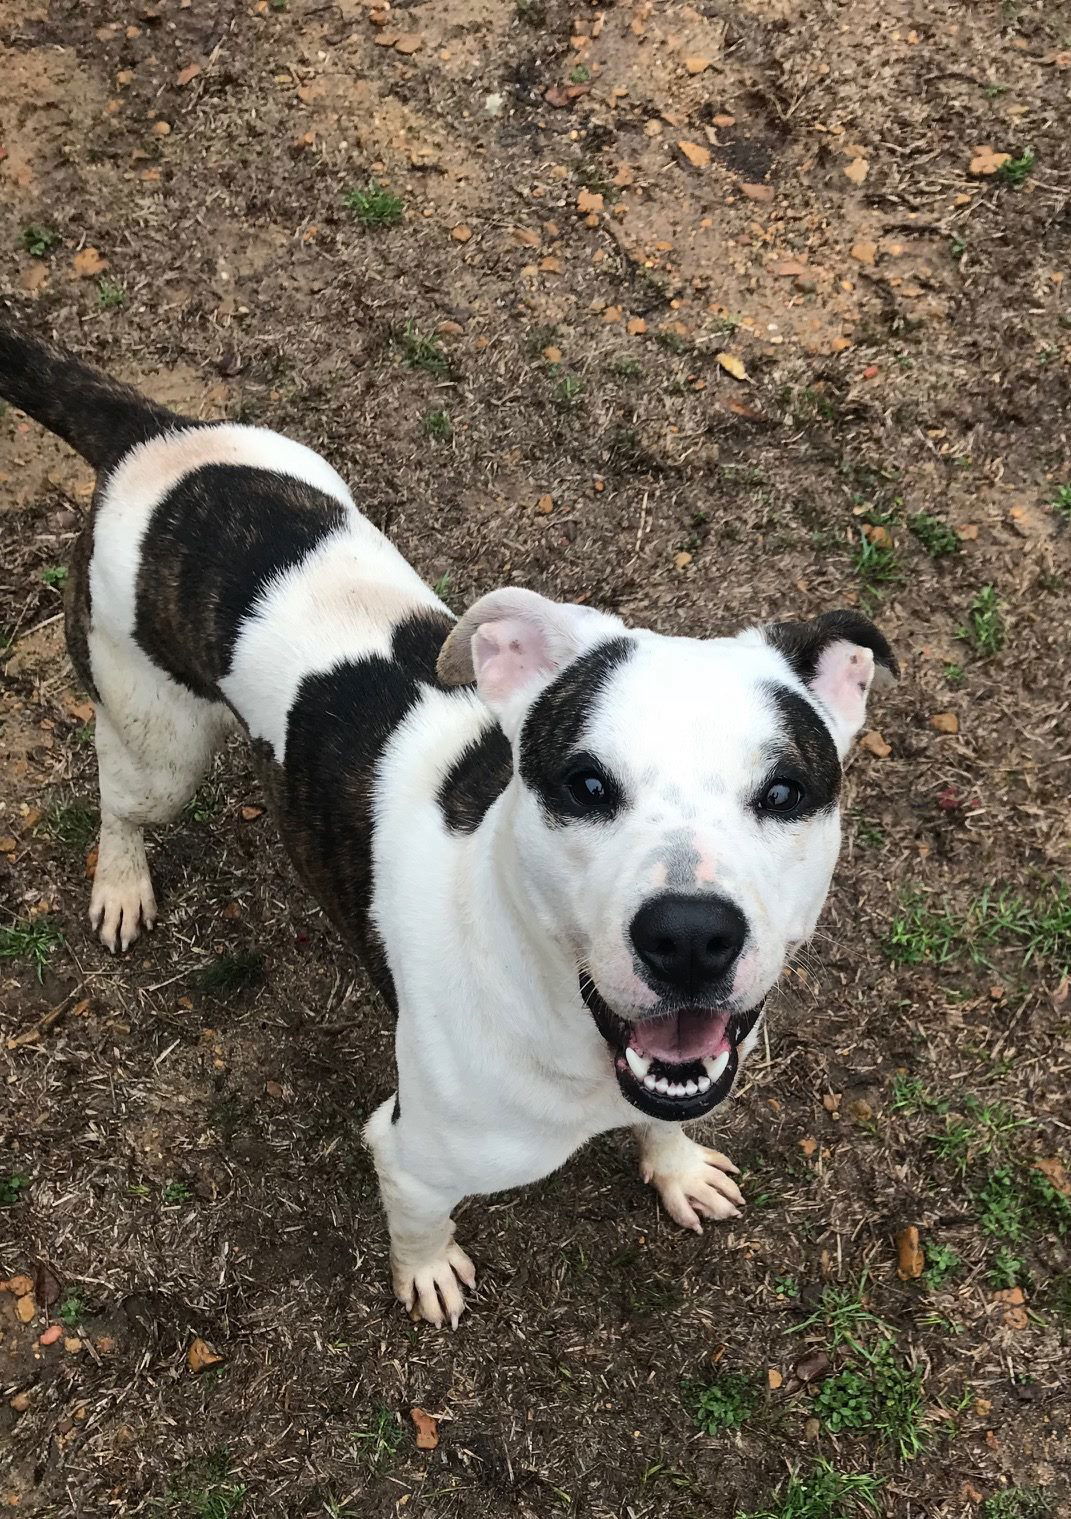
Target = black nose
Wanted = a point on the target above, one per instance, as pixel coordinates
(688, 942)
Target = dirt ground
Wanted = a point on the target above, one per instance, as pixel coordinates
(702, 313)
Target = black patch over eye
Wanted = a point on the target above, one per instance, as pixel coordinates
(586, 790)
(783, 797)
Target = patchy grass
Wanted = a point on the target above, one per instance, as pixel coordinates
(1018, 170)
(12, 1186)
(841, 1315)
(374, 205)
(204, 1491)
(724, 1403)
(437, 425)
(937, 537)
(175, 1192)
(110, 295)
(825, 1493)
(980, 1131)
(71, 1310)
(421, 350)
(228, 976)
(1061, 502)
(39, 241)
(1017, 1503)
(379, 1440)
(876, 564)
(73, 824)
(55, 575)
(34, 941)
(877, 1393)
(568, 390)
(984, 628)
(923, 934)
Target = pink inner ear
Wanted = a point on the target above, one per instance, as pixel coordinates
(507, 655)
(842, 681)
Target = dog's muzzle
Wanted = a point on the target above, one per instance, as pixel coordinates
(679, 1065)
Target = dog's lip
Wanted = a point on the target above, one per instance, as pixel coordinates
(709, 1068)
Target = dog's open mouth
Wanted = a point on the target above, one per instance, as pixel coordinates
(679, 1065)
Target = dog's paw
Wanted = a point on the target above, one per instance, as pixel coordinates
(698, 1185)
(121, 904)
(432, 1289)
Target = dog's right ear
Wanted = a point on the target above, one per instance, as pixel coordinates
(512, 642)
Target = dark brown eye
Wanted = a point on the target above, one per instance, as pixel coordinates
(782, 797)
(587, 791)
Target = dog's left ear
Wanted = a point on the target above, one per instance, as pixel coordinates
(512, 642)
(837, 656)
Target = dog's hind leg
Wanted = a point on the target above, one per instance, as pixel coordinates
(692, 1181)
(154, 742)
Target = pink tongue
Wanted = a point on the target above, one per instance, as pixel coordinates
(687, 1035)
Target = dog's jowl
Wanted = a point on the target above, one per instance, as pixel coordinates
(573, 855)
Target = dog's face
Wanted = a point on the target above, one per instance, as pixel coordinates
(676, 817)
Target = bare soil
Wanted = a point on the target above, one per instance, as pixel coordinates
(180, 1128)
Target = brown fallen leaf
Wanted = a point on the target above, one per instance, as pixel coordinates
(88, 263)
(46, 1287)
(20, 1402)
(409, 43)
(427, 1428)
(911, 1261)
(878, 534)
(545, 505)
(187, 75)
(808, 1145)
(864, 252)
(19, 1284)
(1056, 1173)
(250, 814)
(732, 365)
(635, 325)
(696, 64)
(26, 1308)
(723, 119)
(812, 1366)
(682, 560)
(968, 533)
(787, 267)
(161, 129)
(986, 162)
(562, 95)
(589, 201)
(8, 845)
(774, 1379)
(944, 722)
(552, 355)
(50, 1335)
(1015, 1297)
(526, 237)
(461, 233)
(874, 744)
(72, 1344)
(742, 409)
(696, 155)
(550, 264)
(857, 170)
(762, 193)
(201, 1356)
(1016, 1318)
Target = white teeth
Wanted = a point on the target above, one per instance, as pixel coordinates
(704, 1083)
(662, 1085)
(638, 1064)
(715, 1067)
(649, 1083)
(690, 1088)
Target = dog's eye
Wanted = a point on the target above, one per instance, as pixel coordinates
(588, 789)
(782, 797)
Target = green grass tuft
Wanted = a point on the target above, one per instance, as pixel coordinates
(984, 628)
(1061, 502)
(876, 1394)
(72, 824)
(34, 941)
(379, 1440)
(55, 575)
(71, 1311)
(110, 295)
(374, 205)
(12, 1186)
(936, 537)
(824, 1494)
(725, 1403)
(437, 425)
(204, 1491)
(38, 241)
(1017, 1503)
(422, 351)
(942, 1262)
(1017, 171)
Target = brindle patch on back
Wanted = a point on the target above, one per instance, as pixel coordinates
(211, 546)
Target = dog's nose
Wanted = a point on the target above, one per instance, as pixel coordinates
(688, 942)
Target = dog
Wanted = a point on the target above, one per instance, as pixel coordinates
(574, 856)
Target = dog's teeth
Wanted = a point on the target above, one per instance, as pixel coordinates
(704, 1083)
(649, 1083)
(715, 1067)
(638, 1064)
(662, 1085)
(690, 1088)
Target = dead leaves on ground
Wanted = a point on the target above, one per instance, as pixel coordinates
(201, 1356)
(910, 1258)
(427, 1428)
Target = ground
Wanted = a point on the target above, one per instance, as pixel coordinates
(703, 314)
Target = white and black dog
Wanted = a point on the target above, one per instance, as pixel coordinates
(574, 856)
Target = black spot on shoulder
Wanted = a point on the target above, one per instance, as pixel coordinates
(554, 727)
(211, 547)
(808, 753)
(396, 1111)
(803, 643)
(478, 776)
(416, 642)
(336, 731)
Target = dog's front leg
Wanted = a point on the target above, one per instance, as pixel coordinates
(690, 1179)
(426, 1266)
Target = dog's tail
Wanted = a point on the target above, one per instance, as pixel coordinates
(99, 417)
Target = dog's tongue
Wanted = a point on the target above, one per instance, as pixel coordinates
(692, 1034)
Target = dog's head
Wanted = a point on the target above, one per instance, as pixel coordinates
(676, 813)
